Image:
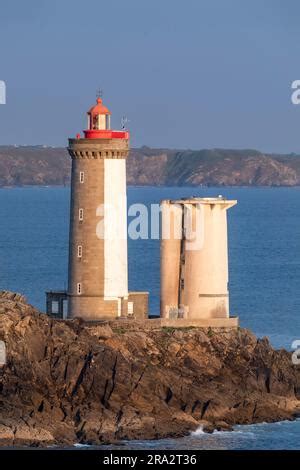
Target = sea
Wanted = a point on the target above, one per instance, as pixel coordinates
(264, 274)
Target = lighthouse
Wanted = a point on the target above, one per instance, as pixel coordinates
(98, 273)
(98, 260)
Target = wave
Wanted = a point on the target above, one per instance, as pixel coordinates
(241, 432)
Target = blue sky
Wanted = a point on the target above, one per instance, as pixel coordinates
(188, 74)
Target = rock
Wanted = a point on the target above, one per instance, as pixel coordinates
(6, 436)
(32, 436)
(206, 426)
(7, 295)
(101, 331)
(223, 426)
(67, 381)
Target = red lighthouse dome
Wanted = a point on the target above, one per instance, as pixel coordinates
(99, 108)
(99, 124)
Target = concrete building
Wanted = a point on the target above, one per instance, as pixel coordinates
(98, 272)
(194, 262)
(194, 252)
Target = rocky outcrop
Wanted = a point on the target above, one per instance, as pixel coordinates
(147, 166)
(67, 382)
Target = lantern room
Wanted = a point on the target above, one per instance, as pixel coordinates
(99, 117)
(99, 124)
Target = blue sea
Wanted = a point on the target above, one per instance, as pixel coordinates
(264, 265)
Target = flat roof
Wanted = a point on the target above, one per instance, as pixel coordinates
(203, 200)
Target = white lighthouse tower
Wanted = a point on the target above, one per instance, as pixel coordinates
(98, 271)
(98, 284)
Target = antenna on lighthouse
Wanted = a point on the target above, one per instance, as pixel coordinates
(124, 121)
(99, 93)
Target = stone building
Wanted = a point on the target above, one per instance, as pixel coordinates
(98, 271)
(194, 252)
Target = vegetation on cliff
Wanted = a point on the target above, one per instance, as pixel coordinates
(217, 167)
(67, 382)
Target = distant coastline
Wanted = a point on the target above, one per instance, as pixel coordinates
(23, 166)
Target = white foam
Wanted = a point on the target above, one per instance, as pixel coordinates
(244, 432)
(199, 431)
(81, 445)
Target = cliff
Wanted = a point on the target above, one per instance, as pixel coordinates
(66, 382)
(217, 167)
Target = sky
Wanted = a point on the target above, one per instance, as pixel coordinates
(188, 74)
